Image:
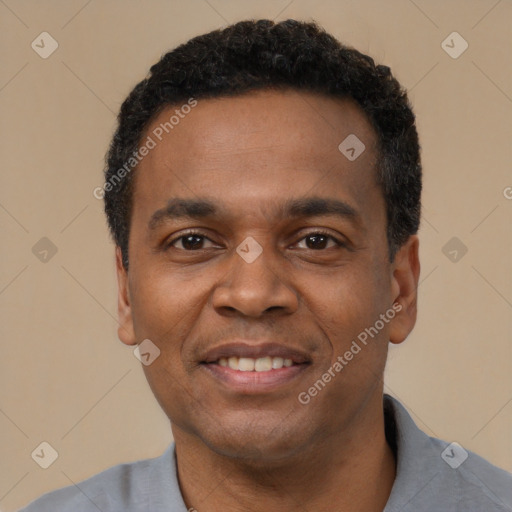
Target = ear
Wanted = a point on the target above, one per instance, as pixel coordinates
(404, 289)
(125, 331)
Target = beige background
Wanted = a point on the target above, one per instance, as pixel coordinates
(67, 380)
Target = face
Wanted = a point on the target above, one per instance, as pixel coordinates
(257, 257)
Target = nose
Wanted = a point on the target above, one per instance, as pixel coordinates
(252, 289)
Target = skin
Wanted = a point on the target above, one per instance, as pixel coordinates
(251, 153)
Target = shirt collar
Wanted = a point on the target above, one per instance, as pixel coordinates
(416, 458)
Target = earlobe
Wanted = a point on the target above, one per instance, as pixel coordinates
(125, 330)
(404, 287)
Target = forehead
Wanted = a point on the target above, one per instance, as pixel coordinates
(258, 147)
(300, 122)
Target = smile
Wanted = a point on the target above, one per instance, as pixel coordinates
(249, 364)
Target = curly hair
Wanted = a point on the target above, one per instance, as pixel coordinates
(258, 55)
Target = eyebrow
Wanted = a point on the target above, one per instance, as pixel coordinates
(179, 208)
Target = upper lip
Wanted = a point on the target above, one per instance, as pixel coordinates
(255, 350)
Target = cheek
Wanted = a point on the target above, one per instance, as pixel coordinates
(346, 307)
(161, 304)
(354, 294)
(163, 313)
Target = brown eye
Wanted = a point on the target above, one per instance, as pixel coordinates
(189, 242)
(319, 241)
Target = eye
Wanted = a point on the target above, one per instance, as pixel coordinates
(319, 240)
(190, 241)
(195, 240)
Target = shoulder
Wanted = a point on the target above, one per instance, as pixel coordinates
(122, 487)
(476, 483)
(433, 474)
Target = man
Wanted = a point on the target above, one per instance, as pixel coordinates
(263, 191)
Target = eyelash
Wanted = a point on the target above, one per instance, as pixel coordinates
(170, 243)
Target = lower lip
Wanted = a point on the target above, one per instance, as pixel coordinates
(254, 382)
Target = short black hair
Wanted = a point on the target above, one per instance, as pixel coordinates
(258, 55)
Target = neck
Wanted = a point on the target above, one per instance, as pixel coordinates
(340, 469)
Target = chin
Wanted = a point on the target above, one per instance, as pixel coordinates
(256, 445)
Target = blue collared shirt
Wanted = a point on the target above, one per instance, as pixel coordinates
(432, 476)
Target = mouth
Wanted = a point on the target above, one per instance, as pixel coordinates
(252, 369)
(250, 364)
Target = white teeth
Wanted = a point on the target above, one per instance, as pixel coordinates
(246, 364)
(249, 364)
(263, 364)
(277, 362)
